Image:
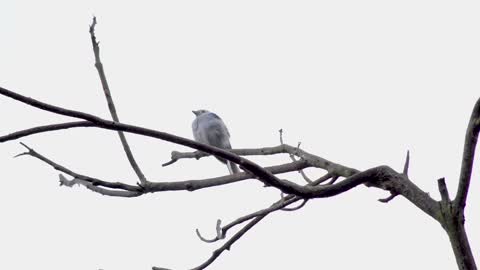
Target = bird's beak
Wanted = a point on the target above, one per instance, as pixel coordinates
(195, 112)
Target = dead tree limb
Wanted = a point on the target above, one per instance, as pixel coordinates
(111, 105)
(450, 214)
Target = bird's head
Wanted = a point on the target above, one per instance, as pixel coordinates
(200, 112)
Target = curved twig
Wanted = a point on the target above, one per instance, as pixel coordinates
(44, 128)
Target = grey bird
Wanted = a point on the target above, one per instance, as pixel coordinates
(208, 128)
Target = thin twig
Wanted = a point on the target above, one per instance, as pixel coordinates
(304, 202)
(229, 243)
(45, 128)
(280, 204)
(334, 179)
(292, 157)
(93, 181)
(205, 239)
(104, 191)
(442, 188)
(407, 163)
(254, 219)
(389, 198)
(111, 105)
(219, 230)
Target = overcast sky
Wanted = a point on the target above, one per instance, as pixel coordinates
(357, 82)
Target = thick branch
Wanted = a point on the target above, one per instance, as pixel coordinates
(471, 138)
(386, 178)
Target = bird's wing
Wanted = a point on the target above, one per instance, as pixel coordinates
(220, 122)
(196, 131)
(218, 136)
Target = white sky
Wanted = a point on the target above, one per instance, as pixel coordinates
(357, 82)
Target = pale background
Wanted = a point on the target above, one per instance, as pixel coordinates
(357, 82)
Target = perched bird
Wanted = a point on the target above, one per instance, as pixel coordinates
(209, 129)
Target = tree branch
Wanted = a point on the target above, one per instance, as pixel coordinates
(442, 187)
(471, 138)
(108, 192)
(392, 180)
(254, 217)
(292, 157)
(254, 168)
(88, 179)
(279, 205)
(45, 128)
(313, 160)
(111, 105)
(188, 185)
(263, 175)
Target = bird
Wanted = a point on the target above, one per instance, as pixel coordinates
(208, 128)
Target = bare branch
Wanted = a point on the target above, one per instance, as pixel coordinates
(313, 160)
(111, 105)
(334, 179)
(256, 217)
(389, 198)
(264, 212)
(229, 243)
(175, 156)
(189, 185)
(205, 239)
(220, 233)
(304, 202)
(45, 128)
(442, 188)
(386, 178)
(93, 181)
(281, 204)
(192, 185)
(471, 138)
(407, 163)
(280, 132)
(108, 192)
(382, 177)
(292, 157)
(262, 174)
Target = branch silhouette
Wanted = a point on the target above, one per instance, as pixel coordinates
(336, 180)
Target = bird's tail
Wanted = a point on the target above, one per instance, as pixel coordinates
(232, 167)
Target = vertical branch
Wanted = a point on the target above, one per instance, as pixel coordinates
(471, 138)
(111, 105)
(453, 217)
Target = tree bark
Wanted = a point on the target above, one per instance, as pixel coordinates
(455, 228)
